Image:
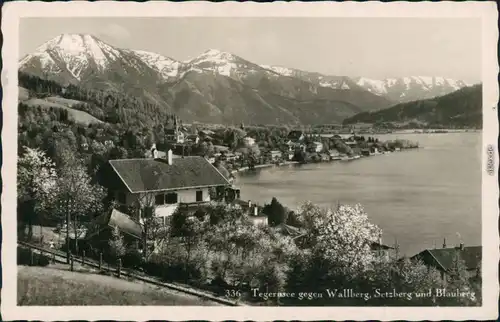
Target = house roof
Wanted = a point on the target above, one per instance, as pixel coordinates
(142, 175)
(471, 255)
(289, 230)
(295, 135)
(124, 223)
(116, 218)
(379, 246)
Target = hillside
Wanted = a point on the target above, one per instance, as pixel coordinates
(462, 108)
(58, 286)
(64, 104)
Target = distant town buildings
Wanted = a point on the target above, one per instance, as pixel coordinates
(248, 141)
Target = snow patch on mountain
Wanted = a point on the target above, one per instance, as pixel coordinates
(378, 87)
(279, 70)
(166, 66)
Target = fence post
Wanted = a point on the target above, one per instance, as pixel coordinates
(32, 257)
(71, 260)
(83, 257)
(119, 267)
(100, 260)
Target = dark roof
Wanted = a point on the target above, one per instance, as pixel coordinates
(471, 255)
(295, 135)
(289, 230)
(379, 246)
(115, 218)
(124, 223)
(140, 175)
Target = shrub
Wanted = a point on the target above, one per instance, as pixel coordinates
(173, 265)
(24, 258)
(133, 258)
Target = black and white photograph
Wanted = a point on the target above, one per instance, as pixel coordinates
(300, 156)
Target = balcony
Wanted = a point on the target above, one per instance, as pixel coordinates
(191, 207)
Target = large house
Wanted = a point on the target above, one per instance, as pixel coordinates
(442, 259)
(165, 184)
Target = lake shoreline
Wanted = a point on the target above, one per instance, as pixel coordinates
(357, 157)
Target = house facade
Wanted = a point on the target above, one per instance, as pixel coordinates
(316, 146)
(248, 141)
(165, 184)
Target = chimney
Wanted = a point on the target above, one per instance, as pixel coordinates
(444, 242)
(461, 247)
(169, 157)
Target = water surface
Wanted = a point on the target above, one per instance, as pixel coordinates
(417, 196)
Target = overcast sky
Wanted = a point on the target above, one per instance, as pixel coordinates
(370, 47)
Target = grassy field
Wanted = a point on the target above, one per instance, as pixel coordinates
(59, 102)
(55, 285)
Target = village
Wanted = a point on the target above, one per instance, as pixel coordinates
(181, 195)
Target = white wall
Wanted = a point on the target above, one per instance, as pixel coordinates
(183, 196)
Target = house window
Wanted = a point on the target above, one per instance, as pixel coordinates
(122, 198)
(160, 200)
(171, 198)
(199, 195)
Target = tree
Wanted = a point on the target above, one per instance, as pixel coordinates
(116, 244)
(342, 236)
(35, 182)
(77, 199)
(458, 279)
(275, 212)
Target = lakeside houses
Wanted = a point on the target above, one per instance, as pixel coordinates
(275, 155)
(443, 258)
(334, 154)
(316, 147)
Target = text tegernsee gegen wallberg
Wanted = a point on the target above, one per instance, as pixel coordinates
(366, 296)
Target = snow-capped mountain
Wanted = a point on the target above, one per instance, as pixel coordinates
(406, 89)
(334, 82)
(226, 64)
(88, 61)
(74, 53)
(218, 84)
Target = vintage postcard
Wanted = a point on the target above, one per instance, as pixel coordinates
(250, 161)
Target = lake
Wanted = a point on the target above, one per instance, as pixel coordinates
(416, 196)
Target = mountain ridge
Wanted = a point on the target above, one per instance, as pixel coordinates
(462, 108)
(85, 60)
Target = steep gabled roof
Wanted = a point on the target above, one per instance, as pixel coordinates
(471, 255)
(144, 175)
(115, 218)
